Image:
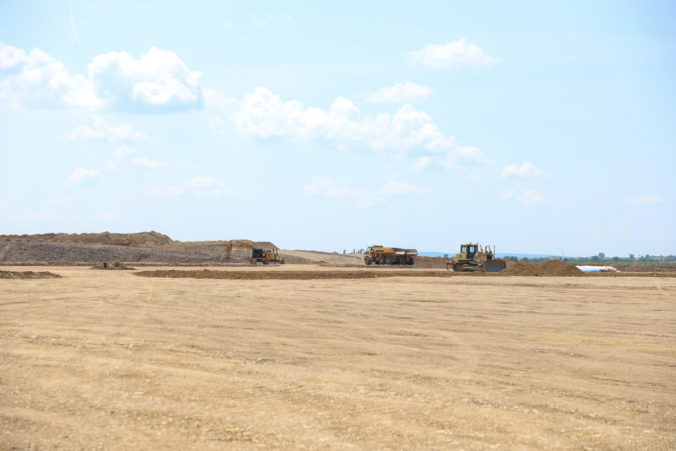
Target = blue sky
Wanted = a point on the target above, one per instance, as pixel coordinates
(540, 127)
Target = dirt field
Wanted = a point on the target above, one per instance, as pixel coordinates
(109, 359)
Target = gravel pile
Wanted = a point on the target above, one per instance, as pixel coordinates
(43, 252)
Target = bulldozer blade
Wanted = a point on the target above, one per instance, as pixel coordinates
(494, 265)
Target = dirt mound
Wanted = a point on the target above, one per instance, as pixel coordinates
(521, 269)
(289, 275)
(549, 268)
(28, 275)
(112, 266)
(559, 268)
(430, 262)
(142, 239)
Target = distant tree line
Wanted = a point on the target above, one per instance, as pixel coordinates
(600, 258)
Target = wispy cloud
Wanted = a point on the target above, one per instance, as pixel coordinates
(326, 187)
(72, 24)
(646, 200)
(526, 170)
(147, 163)
(526, 196)
(405, 92)
(201, 186)
(394, 187)
(452, 54)
(531, 197)
(82, 175)
(101, 130)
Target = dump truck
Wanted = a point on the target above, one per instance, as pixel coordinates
(249, 252)
(474, 257)
(389, 255)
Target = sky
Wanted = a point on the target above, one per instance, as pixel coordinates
(537, 127)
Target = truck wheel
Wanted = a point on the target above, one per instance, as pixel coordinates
(411, 261)
(367, 260)
(388, 260)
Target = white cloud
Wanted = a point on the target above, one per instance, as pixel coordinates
(394, 187)
(37, 80)
(147, 163)
(101, 130)
(452, 54)
(325, 187)
(531, 197)
(405, 92)
(646, 200)
(526, 170)
(11, 57)
(508, 194)
(201, 186)
(159, 81)
(81, 175)
(265, 115)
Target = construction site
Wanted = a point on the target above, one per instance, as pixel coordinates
(139, 341)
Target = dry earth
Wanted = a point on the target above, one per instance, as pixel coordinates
(108, 359)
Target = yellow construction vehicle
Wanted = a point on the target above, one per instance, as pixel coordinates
(389, 255)
(473, 257)
(249, 252)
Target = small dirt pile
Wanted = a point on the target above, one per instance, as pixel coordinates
(28, 275)
(551, 268)
(559, 268)
(113, 266)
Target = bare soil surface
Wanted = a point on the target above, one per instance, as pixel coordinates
(107, 359)
(430, 262)
(321, 258)
(112, 267)
(28, 275)
(294, 274)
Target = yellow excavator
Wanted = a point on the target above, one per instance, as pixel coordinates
(474, 257)
(253, 254)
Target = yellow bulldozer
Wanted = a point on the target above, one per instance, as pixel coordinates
(474, 257)
(389, 255)
(249, 252)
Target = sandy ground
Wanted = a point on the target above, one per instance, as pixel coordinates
(108, 359)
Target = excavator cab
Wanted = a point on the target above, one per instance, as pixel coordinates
(258, 253)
